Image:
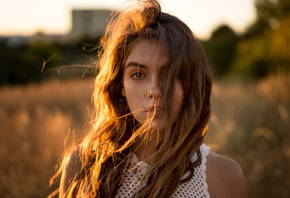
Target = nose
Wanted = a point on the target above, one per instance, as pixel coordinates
(153, 90)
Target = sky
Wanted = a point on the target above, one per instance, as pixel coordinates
(26, 17)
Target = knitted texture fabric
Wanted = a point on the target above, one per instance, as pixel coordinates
(196, 187)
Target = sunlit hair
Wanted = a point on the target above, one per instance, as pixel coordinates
(105, 150)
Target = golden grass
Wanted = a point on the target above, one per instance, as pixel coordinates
(249, 124)
(34, 121)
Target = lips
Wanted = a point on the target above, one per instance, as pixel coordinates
(156, 110)
(153, 108)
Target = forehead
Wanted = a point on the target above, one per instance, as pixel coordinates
(149, 53)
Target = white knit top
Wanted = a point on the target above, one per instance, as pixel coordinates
(196, 187)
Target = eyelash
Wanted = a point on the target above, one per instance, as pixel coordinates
(137, 75)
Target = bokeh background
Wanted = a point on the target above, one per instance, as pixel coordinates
(47, 58)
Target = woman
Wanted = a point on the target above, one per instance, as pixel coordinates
(152, 101)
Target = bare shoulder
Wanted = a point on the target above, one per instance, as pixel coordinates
(224, 177)
(72, 168)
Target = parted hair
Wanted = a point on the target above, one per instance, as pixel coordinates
(105, 150)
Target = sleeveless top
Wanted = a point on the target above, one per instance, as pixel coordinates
(196, 187)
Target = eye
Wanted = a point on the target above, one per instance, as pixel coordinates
(137, 75)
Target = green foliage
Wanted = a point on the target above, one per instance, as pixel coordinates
(24, 63)
(269, 13)
(220, 49)
(251, 57)
(9, 61)
(41, 50)
(260, 55)
(272, 9)
(263, 49)
(39, 60)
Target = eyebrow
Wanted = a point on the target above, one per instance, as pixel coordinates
(134, 64)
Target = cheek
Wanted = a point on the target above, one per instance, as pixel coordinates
(132, 93)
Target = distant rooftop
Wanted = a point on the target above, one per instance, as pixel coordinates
(89, 23)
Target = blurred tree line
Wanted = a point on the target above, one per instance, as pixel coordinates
(37, 60)
(262, 49)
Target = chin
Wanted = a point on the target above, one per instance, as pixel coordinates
(157, 125)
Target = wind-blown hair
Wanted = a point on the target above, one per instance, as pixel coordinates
(105, 150)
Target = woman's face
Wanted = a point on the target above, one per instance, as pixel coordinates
(142, 75)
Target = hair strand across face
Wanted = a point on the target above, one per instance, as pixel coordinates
(110, 142)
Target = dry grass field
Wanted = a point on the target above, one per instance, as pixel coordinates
(250, 123)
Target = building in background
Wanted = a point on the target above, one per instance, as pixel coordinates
(88, 23)
(85, 23)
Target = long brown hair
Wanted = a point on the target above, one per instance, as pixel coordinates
(105, 150)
